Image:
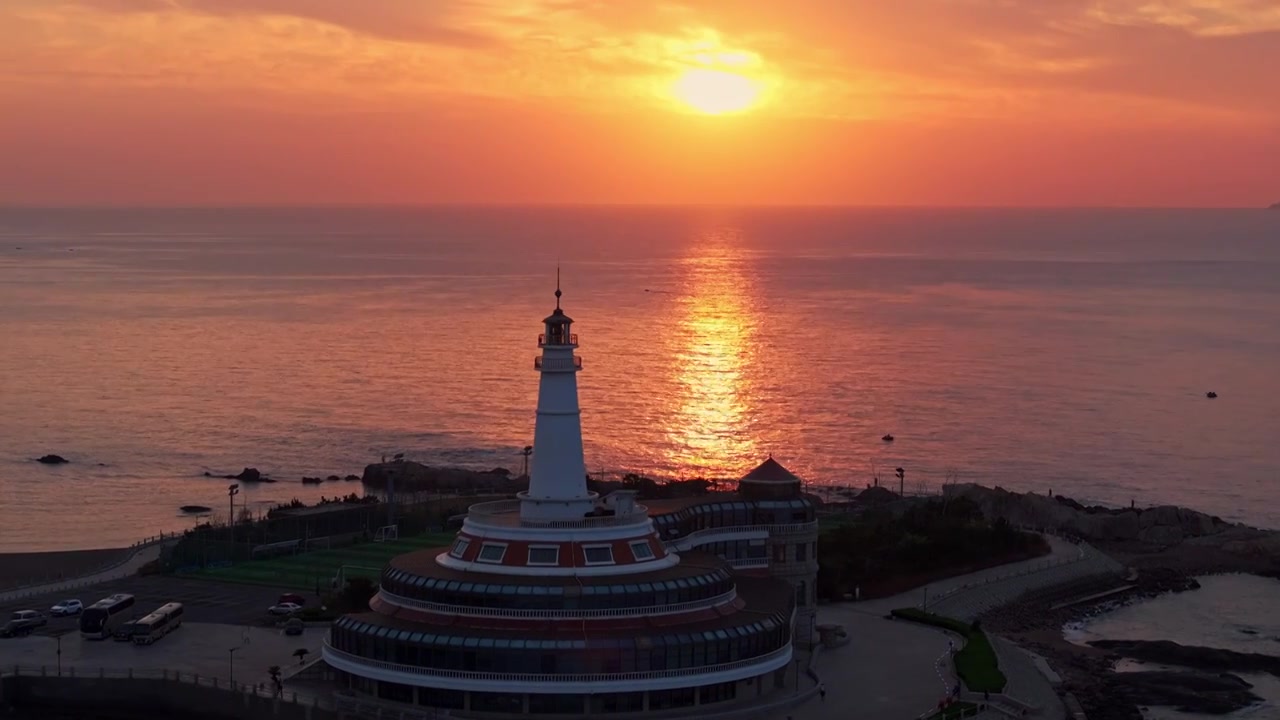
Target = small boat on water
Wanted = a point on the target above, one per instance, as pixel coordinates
(887, 438)
(194, 509)
(1211, 394)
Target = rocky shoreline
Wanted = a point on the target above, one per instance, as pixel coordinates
(1088, 671)
(1164, 548)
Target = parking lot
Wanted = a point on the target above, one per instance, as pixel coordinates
(209, 650)
(205, 601)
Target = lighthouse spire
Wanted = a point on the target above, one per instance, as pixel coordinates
(557, 478)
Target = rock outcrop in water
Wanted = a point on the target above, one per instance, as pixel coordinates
(410, 476)
(52, 459)
(1208, 686)
(1186, 691)
(246, 475)
(1165, 652)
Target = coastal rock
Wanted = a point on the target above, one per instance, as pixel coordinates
(351, 478)
(247, 475)
(1166, 652)
(1190, 692)
(1164, 525)
(1166, 515)
(410, 476)
(1196, 524)
(52, 459)
(333, 478)
(1257, 543)
(877, 495)
(1161, 535)
(312, 480)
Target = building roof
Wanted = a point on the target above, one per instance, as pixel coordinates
(664, 506)
(761, 598)
(423, 563)
(770, 471)
(557, 317)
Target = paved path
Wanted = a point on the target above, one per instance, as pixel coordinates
(889, 671)
(1084, 563)
(127, 568)
(894, 670)
(1026, 682)
(1059, 551)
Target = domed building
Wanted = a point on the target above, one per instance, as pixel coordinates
(562, 602)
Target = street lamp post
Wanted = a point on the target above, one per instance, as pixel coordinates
(232, 655)
(902, 486)
(232, 491)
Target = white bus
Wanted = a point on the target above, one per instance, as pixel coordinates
(163, 621)
(100, 619)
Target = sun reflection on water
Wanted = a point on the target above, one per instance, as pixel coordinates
(712, 352)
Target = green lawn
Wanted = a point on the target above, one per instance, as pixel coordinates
(976, 663)
(305, 570)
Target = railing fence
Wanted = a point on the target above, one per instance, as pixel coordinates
(35, 587)
(260, 690)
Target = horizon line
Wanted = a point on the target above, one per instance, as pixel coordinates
(599, 205)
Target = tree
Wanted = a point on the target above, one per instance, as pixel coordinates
(277, 686)
(357, 594)
(645, 487)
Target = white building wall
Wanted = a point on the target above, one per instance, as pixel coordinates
(558, 469)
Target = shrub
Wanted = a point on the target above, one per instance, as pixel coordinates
(316, 614)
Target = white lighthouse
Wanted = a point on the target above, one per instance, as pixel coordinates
(557, 480)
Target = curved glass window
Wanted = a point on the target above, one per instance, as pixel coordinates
(711, 584)
(736, 513)
(640, 653)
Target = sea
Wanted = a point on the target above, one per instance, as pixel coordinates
(1036, 349)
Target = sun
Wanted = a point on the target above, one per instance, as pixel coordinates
(716, 92)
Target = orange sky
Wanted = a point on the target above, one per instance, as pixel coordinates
(933, 102)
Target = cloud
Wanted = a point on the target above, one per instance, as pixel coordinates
(437, 22)
(821, 58)
(1199, 17)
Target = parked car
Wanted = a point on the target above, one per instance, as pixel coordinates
(66, 608)
(286, 608)
(294, 598)
(23, 622)
(293, 626)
